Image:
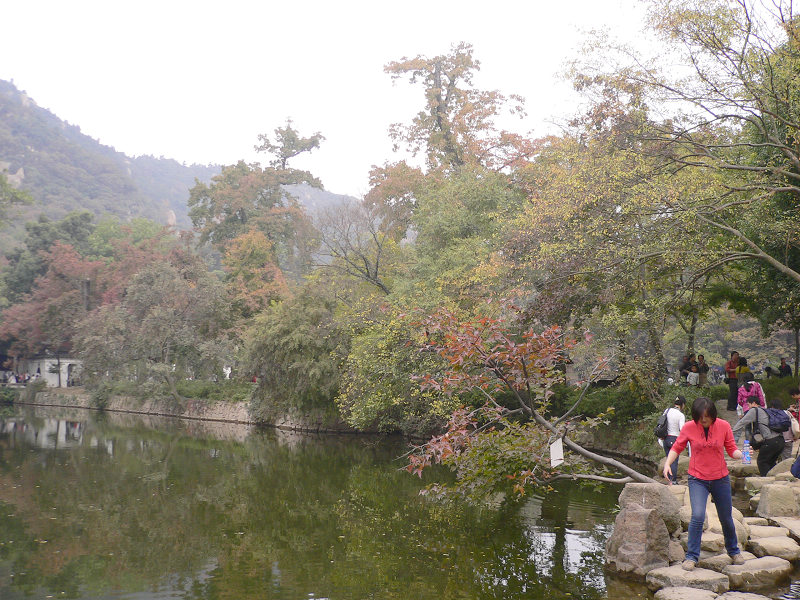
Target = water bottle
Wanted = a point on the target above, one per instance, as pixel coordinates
(746, 453)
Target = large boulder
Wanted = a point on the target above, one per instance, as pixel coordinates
(639, 542)
(777, 500)
(675, 576)
(766, 572)
(654, 496)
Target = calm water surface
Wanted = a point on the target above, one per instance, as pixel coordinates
(102, 507)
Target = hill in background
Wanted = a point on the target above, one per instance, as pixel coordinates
(66, 170)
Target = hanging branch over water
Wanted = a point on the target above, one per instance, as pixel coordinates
(508, 438)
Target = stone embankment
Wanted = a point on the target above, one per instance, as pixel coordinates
(201, 410)
(651, 533)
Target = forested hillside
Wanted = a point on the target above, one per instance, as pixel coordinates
(65, 170)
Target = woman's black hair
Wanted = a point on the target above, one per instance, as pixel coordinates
(747, 378)
(704, 406)
(742, 361)
(680, 400)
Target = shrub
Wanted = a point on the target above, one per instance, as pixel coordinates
(779, 388)
(228, 390)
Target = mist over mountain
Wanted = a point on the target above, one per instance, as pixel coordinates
(66, 170)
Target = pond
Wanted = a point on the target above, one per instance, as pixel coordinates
(97, 506)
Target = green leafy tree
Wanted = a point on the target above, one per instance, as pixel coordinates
(28, 262)
(294, 348)
(288, 144)
(379, 390)
(245, 198)
(170, 324)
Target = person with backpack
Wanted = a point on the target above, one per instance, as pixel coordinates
(675, 421)
(768, 428)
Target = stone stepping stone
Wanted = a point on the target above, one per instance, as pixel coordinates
(738, 470)
(711, 511)
(791, 524)
(758, 573)
(754, 484)
(742, 531)
(717, 562)
(703, 579)
(741, 596)
(761, 531)
(684, 593)
(777, 500)
(750, 521)
(780, 546)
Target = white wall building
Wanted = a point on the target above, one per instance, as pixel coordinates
(56, 372)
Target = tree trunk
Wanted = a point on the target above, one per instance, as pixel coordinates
(796, 350)
(659, 362)
(691, 333)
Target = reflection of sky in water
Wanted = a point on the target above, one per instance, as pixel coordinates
(574, 537)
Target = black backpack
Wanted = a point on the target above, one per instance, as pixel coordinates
(660, 430)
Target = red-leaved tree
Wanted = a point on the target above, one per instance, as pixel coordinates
(506, 441)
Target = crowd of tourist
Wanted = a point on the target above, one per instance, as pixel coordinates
(769, 428)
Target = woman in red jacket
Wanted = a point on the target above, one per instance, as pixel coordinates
(708, 474)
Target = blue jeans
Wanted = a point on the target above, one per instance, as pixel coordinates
(668, 441)
(720, 490)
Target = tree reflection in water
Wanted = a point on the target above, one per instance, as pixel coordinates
(100, 509)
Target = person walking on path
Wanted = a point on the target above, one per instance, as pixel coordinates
(710, 438)
(771, 448)
(730, 379)
(750, 388)
(675, 422)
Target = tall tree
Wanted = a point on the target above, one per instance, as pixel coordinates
(457, 123)
(245, 198)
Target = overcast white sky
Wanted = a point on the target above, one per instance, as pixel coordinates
(197, 81)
